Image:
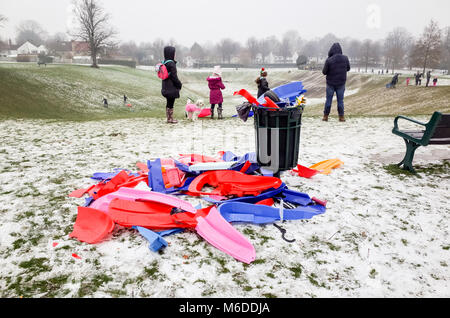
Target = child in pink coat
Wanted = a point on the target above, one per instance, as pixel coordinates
(216, 86)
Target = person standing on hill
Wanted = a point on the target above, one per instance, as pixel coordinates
(336, 67)
(171, 86)
(428, 78)
(261, 81)
(215, 85)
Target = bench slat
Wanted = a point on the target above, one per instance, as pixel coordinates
(445, 120)
(415, 134)
(440, 141)
(441, 132)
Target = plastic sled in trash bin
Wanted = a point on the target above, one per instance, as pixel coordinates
(288, 91)
(222, 235)
(270, 103)
(249, 97)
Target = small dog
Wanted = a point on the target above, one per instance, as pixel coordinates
(192, 108)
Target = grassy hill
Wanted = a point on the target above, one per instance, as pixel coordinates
(73, 92)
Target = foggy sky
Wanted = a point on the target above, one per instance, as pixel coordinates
(189, 21)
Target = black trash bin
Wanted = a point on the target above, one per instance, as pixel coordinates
(278, 137)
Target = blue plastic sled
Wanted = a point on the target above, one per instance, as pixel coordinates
(289, 91)
(251, 199)
(263, 214)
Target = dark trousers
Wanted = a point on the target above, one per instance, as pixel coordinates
(214, 106)
(170, 103)
(340, 99)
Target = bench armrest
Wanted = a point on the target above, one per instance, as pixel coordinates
(406, 118)
(429, 128)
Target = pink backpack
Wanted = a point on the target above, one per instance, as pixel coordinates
(161, 70)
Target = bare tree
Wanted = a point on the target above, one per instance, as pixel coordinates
(32, 31)
(427, 51)
(227, 48)
(286, 47)
(396, 45)
(366, 52)
(93, 26)
(197, 52)
(295, 39)
(325, 44)
(311, 49)
(157, 49)
(53, 43)
(445, 57)
(3, 19)
(253, 48)
(353, 50)
(264, 48)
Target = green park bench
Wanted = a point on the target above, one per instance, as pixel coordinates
(437, 132)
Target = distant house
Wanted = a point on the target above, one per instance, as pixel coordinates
(80, 48)
(27, 49)
(8, 49)
(42, 50)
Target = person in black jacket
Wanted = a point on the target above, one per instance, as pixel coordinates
(428, 78)
(336, 67)
(263, 85)
(171, 86)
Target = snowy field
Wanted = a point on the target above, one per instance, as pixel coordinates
(383, 234)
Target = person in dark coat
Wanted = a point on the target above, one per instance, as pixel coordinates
(263, 85)
(336, 67)
(105, 102)
(428, 78)
(394, 80)
(171, 86)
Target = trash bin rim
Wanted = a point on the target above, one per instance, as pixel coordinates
(284, 109)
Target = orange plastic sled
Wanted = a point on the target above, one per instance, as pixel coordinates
(230, 182)
(325, 167)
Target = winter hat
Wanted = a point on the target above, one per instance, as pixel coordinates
(217, 70)
(263, 72)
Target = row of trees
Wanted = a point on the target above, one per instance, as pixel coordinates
(399, 49)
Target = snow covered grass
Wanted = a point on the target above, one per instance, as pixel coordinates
(75, 92)
(385, 232)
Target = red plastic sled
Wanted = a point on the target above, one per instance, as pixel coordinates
(244, 93)
(270, 103)
(191, 159)
(205, 113)
(230, 182)
(305, 172)
(91, 226)
(151, 215)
